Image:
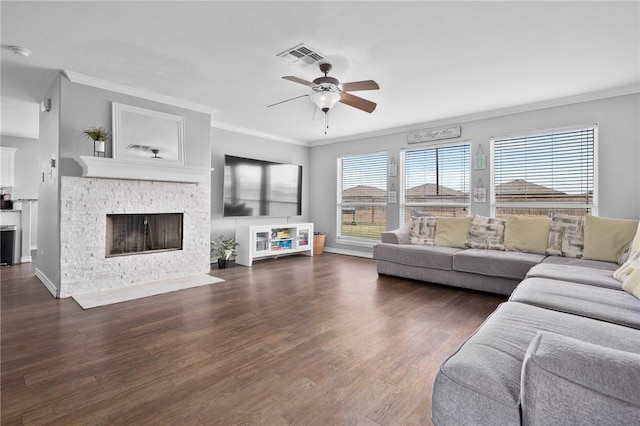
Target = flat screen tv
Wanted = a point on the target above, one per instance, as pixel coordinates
(261, 188)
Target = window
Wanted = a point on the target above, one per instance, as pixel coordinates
(436, 181)
(552, 171)
(362, 196)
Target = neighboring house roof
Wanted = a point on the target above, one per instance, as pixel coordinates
(364, 193)
(428, 189)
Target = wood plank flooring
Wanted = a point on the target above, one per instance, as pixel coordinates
(295, 340)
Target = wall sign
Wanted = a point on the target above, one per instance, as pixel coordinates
(434, 134)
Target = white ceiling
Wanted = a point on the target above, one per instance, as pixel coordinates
(432, 60)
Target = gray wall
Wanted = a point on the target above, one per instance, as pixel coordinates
(86, 106)
(619, 150)
(241, 145)
(48, 258)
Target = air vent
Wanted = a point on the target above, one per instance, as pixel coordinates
(302, 54)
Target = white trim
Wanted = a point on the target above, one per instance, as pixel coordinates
(256, 133)
(76, 77)
(348, 252)
(47, 283)
(26, 259)
(109, 168)
(461, 119)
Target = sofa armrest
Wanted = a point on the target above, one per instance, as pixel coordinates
(397, 236)
(568, 381)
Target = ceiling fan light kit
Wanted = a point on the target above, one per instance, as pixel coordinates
(325, 100)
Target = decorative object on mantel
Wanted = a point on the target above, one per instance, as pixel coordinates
(99, 136)
(144, 135)
(430, 135)
(222, 249)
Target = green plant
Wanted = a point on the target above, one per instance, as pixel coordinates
(97, 133)
(223, 248)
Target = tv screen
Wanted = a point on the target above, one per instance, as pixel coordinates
(261, 188)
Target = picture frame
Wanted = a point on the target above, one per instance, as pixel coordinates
(141, 134)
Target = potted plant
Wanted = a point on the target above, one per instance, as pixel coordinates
(99, 136)
(222, 249)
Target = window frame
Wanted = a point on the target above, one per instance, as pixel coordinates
(546, 205)
(403, 190)
(351, 240)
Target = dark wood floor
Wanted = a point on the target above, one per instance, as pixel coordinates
(297, 340)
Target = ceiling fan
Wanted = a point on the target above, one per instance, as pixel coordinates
(327, 91)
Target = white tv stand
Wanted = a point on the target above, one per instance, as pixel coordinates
(262, 241)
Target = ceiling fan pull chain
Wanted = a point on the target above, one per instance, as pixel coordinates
(326, 122)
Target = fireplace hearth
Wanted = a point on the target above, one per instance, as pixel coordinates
(129, 234)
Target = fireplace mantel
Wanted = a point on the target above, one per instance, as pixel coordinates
(110, 168)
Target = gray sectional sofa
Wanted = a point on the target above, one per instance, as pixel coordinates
(564, 349)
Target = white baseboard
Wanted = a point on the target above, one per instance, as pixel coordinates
(47, 283)
(25, 259)
(348, 252)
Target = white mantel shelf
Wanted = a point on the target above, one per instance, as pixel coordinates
(109, 168)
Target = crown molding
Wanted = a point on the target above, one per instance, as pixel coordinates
(76, 77)
(551, 103)
(256, 133)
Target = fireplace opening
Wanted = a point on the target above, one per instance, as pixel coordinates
(143, 233)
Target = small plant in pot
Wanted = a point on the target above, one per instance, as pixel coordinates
(222, 249)
(99, 136)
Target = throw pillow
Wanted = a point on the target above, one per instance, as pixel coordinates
(632, 283)
(527, 234)
(605, 238)
(452, 231)
(629, 274)
(486, 233)
(423, 230)
(635, 244)
(628, 267)
(566, 236)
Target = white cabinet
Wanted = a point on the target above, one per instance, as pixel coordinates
(7, 160)
(260, 241)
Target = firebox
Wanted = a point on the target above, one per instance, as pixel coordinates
(129, 234)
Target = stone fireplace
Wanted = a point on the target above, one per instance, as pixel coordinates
(167, 225)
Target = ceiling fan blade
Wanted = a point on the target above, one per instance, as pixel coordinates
(287, 100)
(357, 102)
(360, 85)
(299, 80)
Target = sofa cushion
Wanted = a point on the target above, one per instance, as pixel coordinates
(486, 233)
(576, 274)
(614, 306)
(606, 238)
(597, 264)
(528, 234)
(452, 231)
(495, 263)
(571, 382)
(416, 255)
(566, 236)
(423, 230)
(480, 383)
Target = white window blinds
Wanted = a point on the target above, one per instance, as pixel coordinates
(553, 168)
(364, 178)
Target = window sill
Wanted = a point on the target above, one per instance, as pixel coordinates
(358, 242)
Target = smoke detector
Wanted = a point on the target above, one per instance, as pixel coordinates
(302, 54)
(17, 50)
